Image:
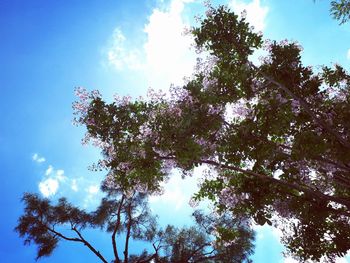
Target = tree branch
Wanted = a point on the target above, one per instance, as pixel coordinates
(198, 249)
(304, 189)
(63, 236)
(114, 243)
(86, 243)
(128, 230)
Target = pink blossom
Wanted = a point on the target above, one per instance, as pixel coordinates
(280, 98)
(90, 121)
(124, 166)
(145, 132)
(122, 100)
(86, 139)
(168, 165)
(228, 198)
(141, 188)
(95, 94)
(179, 94)
(241, 109)
(110, 181)
(265, 59)
(209, 12)
(214, 110)
(156, 96)
(82, 93)
(207, 3)
(209, 82)
(193, 202)
(267, 45)
(284, 42)
(175, 110)
(201, 141)
(295, 107)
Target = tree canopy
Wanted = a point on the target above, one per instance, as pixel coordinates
(340, 10)
(274, 136)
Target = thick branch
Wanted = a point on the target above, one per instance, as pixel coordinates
(86, 243)
(304, 189)
(63, 236)
(265, 141)
(128, 230)
(115, 250)
(316, 158)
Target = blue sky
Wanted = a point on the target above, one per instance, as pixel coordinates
(124, 47)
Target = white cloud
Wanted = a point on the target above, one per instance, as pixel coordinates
(167, 49)
(173, 194)
(119, 56)
(348, 54)
(178, 191)
(165, 57)
(60, 175)
(74, 185)
(49, 170)
(93, 196)
(48, 187)
(256, 12)
(37, 158)
(93, 189)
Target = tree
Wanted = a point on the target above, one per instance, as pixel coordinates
(275, 135)
(127, 217)
(340, 10)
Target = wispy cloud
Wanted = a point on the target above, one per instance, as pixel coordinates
(348, 54)
(60, 176)
(92, 197)
(74, 185)
(37, 158)
(121, 57)
(256, 12)
(49, 170)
